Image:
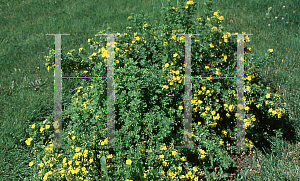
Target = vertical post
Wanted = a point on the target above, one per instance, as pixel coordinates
(240, 135)
(57, 93)
(57, 89)
(240, 94)
(187, 96)
(110, 92)
(188, 92)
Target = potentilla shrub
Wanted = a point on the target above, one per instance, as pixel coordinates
(149, 104)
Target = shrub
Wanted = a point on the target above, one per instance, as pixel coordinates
(149, 105)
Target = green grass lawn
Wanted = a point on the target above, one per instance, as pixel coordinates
(27, 88)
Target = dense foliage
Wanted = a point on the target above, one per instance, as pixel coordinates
(149, 104)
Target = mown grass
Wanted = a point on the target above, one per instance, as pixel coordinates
(26, 87)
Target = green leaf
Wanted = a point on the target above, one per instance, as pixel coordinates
(155, 174)
(103, 165)
(141, 171)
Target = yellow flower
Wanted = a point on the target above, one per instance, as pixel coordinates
(203, 88)
(164, 163)
(183, 159)
(230, 107)
(248, 88)
(249, 78)
(195, 169)
(179, 168)
(180, 107)
(41, 164)
(208, 18)
(47, 126)
(33, 126)
(164, 148)
(42, 129)
(91, 160)
(271, 50)
(174, 37)
(221, 142)
(128, 162)
(166, 65)
(247, 108)
(247, 124)
(202, 156)
(190, 2)
(202, 151)
(174, 153)
(30, 164)
(175, 55)
(137, 38)
(165, 87)
(172, 175)
(214, 124)
(213, 113)
(77, 149)
(182, 176)
(109, 156)
(89, 40)
(221, 17)
(216, 13)
(73, 138)
(224, 132)
(211, 45)
(161, 156)
(268, 96)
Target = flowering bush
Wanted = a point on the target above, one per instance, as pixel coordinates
(149, 105)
